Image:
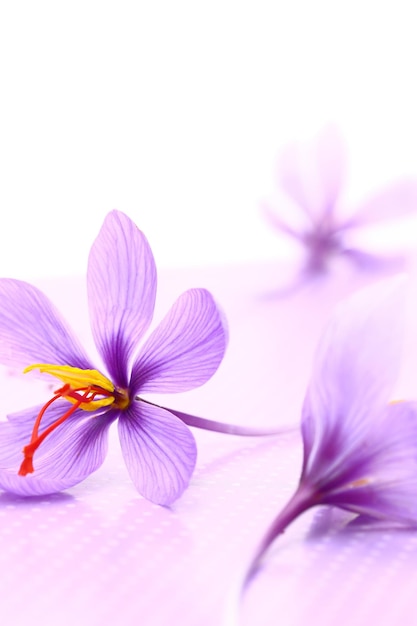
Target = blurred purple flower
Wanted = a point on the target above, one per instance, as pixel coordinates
(313, 182)
(360, 453)
(182, 353)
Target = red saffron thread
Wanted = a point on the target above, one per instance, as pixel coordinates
(88, 395)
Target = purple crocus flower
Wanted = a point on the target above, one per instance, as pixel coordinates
(360, 451)
(66, 439)
(313, 180)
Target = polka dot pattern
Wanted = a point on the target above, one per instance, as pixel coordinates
(99, 554)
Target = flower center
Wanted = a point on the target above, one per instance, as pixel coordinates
(88, 390)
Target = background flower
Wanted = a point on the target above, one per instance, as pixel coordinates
(360, 452)
(312, 178)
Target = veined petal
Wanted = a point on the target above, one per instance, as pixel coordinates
(159, 450)
(32, 330)
(17, 431)
(384, 483)
(66, 457)
(185, 350)
(396, 200)
(121, 282)
(356, 365)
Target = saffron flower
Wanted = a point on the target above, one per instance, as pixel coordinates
(360, 451)
(312, 180)
(65, 440)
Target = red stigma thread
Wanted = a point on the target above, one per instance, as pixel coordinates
(88, 395)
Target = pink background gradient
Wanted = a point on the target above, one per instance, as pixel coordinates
(100, 554)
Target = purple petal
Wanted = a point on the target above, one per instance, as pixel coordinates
(331, 165)
(386, 486)
(279, 224)
(373, 263)
(356, 365)
(32, 330)
(185, 350)
(121, 282)
(397, 200)
(66, 457)
(159, 450)
(313, 175)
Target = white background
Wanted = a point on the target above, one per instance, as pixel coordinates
(175, 111)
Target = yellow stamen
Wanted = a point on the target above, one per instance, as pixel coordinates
(84, 389)
(360, 482)
(77, 378)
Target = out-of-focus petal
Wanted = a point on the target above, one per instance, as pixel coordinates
(397, 200)
(385, 483)
(121, 281)
(66, 457)
(32, 330)
(279, 224)
(331, 165)
(186, 348)
(356, 365)
(292, 177)
(372, 262)
(313, 175)
(159, 450)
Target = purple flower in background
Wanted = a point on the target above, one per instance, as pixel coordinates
(360, 452)
(313, 182)
(65, 440)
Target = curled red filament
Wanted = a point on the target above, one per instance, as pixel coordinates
(82, 395)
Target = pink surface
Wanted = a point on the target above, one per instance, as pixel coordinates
(100, 554)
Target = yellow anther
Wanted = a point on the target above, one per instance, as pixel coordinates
(360, 482)
(79, 379)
